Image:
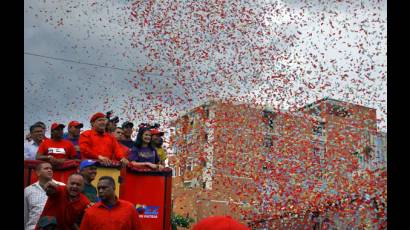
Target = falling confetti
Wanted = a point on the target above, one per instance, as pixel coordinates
(156, 61)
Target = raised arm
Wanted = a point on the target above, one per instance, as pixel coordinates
(50, 188)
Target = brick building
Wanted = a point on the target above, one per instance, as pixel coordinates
(248, 161)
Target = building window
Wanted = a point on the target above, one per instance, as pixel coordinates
(177, 128)
(192, 119)
(174, 173)
(187, 184)
(339, 111)
(188, 138)
(270, 118)
(271, 123)
(175, 149)
(264, 168)
(190, 164)
(318, 129)
(319, 151)
(316, 110)
(189, 167)
(267, 142)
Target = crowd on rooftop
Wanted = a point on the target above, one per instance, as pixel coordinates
(50, 204)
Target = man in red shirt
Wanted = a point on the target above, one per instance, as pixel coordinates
(97, 144)
(56, 150)
(119, 135)
(66, 203)
(110, 213)
(73, 135)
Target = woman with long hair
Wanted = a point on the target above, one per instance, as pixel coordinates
(143, 154)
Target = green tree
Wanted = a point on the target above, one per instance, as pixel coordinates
(180, 221)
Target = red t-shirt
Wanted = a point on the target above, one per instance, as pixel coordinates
(62, 149)
(122, 216)
(93, 144)
(126, 150)
(66, 212)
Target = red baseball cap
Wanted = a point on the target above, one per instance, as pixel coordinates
(156, 132)
(75, 124)
(96, 116)
(57, 125)
(219, 223)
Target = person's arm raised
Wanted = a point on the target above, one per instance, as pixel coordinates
(50, 188)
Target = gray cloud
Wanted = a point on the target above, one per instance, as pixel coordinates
(238, 64)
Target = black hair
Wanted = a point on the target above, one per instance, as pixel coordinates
(40, 123)
(110, 179)
(36, 125)
(138, 141)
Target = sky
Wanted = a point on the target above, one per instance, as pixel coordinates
(149, 60)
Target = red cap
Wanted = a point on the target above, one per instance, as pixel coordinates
(96, 116)
(57, 125)
(156, 132)
(219, 223)
(75, 124)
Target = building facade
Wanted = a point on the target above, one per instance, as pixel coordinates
(251, 162)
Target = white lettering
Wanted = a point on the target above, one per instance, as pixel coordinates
(148, 216)
(56, 151)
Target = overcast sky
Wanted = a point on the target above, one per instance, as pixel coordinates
(182, 53)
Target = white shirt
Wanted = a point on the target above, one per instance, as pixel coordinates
(35, 199)
(30, 150)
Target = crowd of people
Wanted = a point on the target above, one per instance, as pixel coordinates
(105, 142)
(50, 204)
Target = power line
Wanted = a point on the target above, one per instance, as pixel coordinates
(78, 62)
(97, 65)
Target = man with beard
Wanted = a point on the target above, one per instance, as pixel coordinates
(89, 170)
(66, 203)
(110, 213)
(35, 196)
(99, 145)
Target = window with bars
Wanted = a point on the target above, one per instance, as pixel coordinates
(190, 164)
(267, 141)
(339, 111)
(318, 129)
(270, 118)
(206, 113)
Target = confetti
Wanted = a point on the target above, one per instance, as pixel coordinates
(156, 61)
